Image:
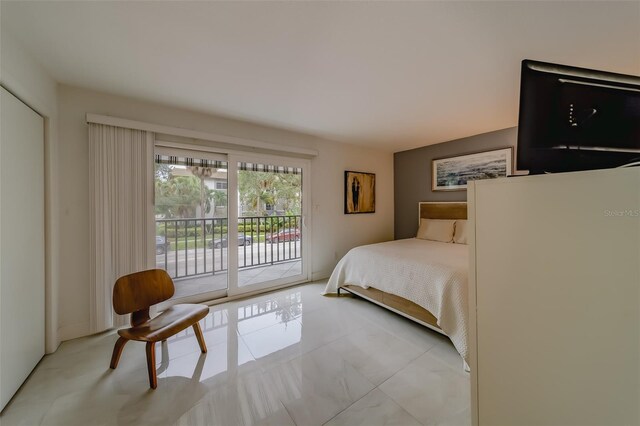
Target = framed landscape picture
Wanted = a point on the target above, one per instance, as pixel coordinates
(452, 174)
(359, 192)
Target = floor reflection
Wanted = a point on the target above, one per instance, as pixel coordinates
(272, 324)
(283, 358)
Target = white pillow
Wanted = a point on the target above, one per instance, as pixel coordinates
(436, 230)
(460, 233)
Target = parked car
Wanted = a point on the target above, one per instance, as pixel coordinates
(284, 235)
(162, 245)
(243, 240)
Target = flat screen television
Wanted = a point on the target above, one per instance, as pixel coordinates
(576, 119)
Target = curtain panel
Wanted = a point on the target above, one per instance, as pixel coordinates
(122, 214)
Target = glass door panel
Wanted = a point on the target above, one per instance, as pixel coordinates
(192, 222)
(270, 223)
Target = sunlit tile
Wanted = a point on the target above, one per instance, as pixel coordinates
(277, 343)
(221, 362)
(430, 390)
(375, 353)
(317, 385)
(374, 409)
(255, 317)
(244, 400)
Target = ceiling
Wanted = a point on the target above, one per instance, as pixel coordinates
(391, 75)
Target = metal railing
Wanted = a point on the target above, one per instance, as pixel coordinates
(196, 247)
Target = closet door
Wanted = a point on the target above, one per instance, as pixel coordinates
(21, 243)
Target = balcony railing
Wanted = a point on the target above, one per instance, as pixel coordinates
(196, 247)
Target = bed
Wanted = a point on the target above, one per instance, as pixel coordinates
(425, 281)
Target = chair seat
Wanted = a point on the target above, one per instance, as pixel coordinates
(168, 323)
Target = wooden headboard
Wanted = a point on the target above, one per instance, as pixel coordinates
(444, 210)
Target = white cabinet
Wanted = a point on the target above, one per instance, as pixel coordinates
(554, 299)
(21, 243)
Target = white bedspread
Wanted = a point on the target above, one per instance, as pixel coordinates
(428, 273)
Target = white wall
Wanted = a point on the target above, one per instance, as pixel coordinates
(333, 232)
(23, 76)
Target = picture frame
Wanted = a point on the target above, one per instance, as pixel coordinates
(453, 173)
(359, 192)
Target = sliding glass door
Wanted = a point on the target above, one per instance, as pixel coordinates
(191, 221)
(229, 224)
(270, 193)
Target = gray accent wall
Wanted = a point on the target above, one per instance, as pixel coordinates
(412, 174)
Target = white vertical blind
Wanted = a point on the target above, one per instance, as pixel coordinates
(122, 227)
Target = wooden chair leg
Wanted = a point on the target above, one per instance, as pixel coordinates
(151, 364)
(200, 337)
(117, 351)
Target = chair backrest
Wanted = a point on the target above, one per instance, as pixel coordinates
(140, 290)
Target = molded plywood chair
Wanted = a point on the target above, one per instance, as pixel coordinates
(134, 294)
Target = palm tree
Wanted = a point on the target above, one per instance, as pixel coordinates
(219, 197)
(177, 197)
(257, 189)
(206, 194)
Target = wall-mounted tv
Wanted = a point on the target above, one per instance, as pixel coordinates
(576, 119)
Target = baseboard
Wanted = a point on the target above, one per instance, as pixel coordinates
(73, 331)
(52, 345)
(321, 275)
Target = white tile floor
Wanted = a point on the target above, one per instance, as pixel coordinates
(291, 357)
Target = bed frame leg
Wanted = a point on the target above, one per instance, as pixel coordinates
(338, 291)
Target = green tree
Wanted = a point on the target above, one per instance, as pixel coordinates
(288, 192)
(219, 197)
(205, 193)
(257, 189)
(180, 196)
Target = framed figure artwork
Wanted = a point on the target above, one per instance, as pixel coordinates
(359, 192)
